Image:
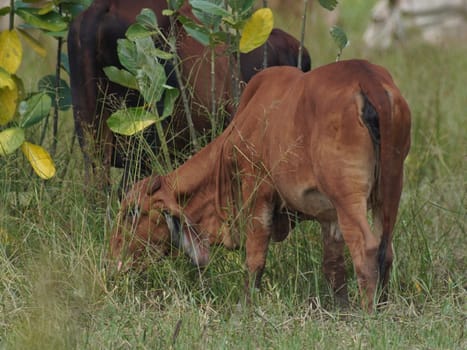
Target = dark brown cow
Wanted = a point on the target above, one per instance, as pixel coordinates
(326, 145)
(92, 45)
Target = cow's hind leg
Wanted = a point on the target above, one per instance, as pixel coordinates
(362, 244)
(333, 260)
(385, 253)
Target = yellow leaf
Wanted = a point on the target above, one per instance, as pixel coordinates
(11, 51)
(33, 42)
(10, 140)
(8, 101)
(5, 80)
(40, 160)
(256, 30)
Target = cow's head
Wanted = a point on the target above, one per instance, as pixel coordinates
(150, 217)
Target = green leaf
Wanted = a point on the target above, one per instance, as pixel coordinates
(339, 36)
(194, 30)
(51, 21)
(170, 96)
(34, 109)
(136, 31)
(256, 30)
(241, 6)
(328, 4)
(47, 84)
(65, 63)
(40, 160)
(162, 54)
(127, 55)
(46, 8)
(147, 19)
(121, 77)
(210, 7)
(4, 11)
(10, 140)
(131, 120)
(151, 80)
(175, 4)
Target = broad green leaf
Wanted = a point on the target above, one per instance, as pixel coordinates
(241, 5)
(127, 55)
(40, 160)
(162, 54)
(11, 51)
(136, 31)
(328, 4)
(147, 19)
(48, 84)
(175, 4)
(194, 30)
(121, 77)
(33, 42)
(46, 8)
(65, 63)
(34, 109)
(210, 7)
(51, 21)
(10, 140)
(131, 120)
(170, 96)
(8, 103)
(151, 80)
(4, 11)
(339, 36)
(256, 30)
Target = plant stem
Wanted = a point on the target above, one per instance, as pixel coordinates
(265, 51)
(57, 91)
(12, 15)
(213, 93)
(302, 34)
(181, 84)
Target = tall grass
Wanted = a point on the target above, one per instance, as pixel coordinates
(57, 290)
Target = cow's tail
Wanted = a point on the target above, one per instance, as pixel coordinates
(383, 121)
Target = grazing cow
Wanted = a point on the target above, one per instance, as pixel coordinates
(92, 45)
(325, 145)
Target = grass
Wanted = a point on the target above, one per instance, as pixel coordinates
(56, 291)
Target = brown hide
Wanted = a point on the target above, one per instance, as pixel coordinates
(92, 45)
(299, 142)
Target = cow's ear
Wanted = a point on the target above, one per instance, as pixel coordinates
(154, 184)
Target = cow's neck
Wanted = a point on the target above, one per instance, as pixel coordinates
(197, 191)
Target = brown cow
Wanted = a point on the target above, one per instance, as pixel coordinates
(92, 45)
(327, 145)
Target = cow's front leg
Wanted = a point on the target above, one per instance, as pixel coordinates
(333, 260)
(257, 241)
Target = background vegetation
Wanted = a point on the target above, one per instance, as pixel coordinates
(56, 293)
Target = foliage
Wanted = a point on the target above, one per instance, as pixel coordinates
(58, 289)
(340, 38)
(20, 111)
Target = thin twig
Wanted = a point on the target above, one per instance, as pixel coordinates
(302, 34)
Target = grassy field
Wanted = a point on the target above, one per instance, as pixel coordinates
(55, 292)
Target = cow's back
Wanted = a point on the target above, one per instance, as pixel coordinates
(299, 126)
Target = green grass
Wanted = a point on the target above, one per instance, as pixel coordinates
(56, 291)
